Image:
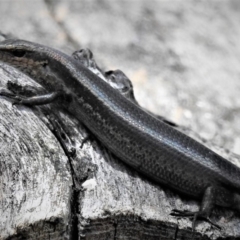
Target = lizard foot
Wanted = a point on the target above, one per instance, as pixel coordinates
(195, 215)
(14, 97)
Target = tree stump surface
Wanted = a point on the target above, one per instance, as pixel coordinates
(99, 198)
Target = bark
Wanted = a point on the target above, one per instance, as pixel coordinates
(47, 192)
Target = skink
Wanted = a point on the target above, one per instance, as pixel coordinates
(147, 144)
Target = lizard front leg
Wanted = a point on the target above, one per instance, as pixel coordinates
(27, 95)
(30, 101)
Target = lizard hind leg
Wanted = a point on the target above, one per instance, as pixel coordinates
(204, 211)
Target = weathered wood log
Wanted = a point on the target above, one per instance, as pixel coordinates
(48, 193)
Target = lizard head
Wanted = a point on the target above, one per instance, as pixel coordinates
(21, 53)
(35, 60)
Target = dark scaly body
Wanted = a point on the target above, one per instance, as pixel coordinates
(152, 147)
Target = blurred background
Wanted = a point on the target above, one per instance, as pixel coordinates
(183, 57)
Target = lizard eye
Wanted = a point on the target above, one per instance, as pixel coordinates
(18, 53)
